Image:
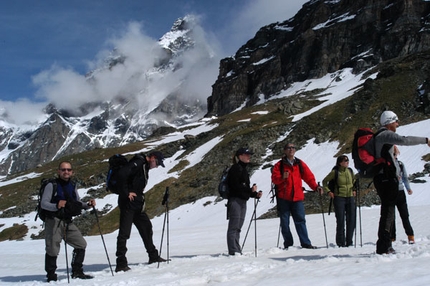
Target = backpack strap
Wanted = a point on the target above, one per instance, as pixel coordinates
(401, 166)
(296, 161)
(299, 162)
(336, 177)
(54, 188)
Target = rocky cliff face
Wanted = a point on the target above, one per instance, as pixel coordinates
(322, 38)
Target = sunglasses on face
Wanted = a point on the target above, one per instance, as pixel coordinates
(65, 169)
(290, 148)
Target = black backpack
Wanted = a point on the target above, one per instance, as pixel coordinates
(363, 153)
(116, 162)
(223, 188)
(41, 213)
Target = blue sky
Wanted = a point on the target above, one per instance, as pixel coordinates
(36, 35)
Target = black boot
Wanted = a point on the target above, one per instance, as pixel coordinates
(50, 267)
(77, 260)
(156, 259)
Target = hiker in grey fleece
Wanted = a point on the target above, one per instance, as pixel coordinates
(386, 181)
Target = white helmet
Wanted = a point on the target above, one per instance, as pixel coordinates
(388, 117)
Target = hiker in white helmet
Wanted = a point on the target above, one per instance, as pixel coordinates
(386, 180)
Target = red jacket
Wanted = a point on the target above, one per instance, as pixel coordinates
(290, 189)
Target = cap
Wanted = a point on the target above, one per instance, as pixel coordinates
(242, 151)
(388, 117)
(159, 157)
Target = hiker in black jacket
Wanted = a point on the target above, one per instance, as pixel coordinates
(240, 192)
(386, 181)
(133, 178)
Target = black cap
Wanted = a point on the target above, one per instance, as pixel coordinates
(159, 157)
(242, 151)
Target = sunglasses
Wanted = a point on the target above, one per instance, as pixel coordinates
(290, 148)
(66, 169)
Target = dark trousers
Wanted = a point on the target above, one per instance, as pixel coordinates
(387, 189)
(236, 214)
(344, 209)
(402, 207)
(143, 225)
(297, 211)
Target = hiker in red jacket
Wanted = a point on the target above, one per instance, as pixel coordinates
(287, 175)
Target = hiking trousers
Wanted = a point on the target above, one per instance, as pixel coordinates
(55, 231)
(344, 209)
(387, 189)
(402, 207)
(140, 219)
(297, 211)
(236, 214)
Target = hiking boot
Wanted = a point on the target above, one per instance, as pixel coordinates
(157, 259)
(309, 246)
(391, 251)
(411, 239)
(81, 275)
(51, 277)
(123, 268)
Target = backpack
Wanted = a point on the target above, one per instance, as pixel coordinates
(41, 213)
(363, 153)
(115, 163)
(223, 188)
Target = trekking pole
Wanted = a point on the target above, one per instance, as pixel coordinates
(255, 227)
(272, 200)
(322, 213)
(103, 240)
(355, 228)
(279, 235)
(359, 210)
(65, 248)
(166, 218)
(250, 222)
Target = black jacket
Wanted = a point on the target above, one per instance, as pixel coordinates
(133, 177)
(238, 182)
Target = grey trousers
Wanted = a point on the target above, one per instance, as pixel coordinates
(236, 211)
(56, 230)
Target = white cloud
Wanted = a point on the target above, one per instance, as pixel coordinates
(133, 78)
(63, 87)
(21, 112)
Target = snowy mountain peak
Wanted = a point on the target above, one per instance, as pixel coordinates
(179, 38)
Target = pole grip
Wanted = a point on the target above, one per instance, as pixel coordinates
(166, 196)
